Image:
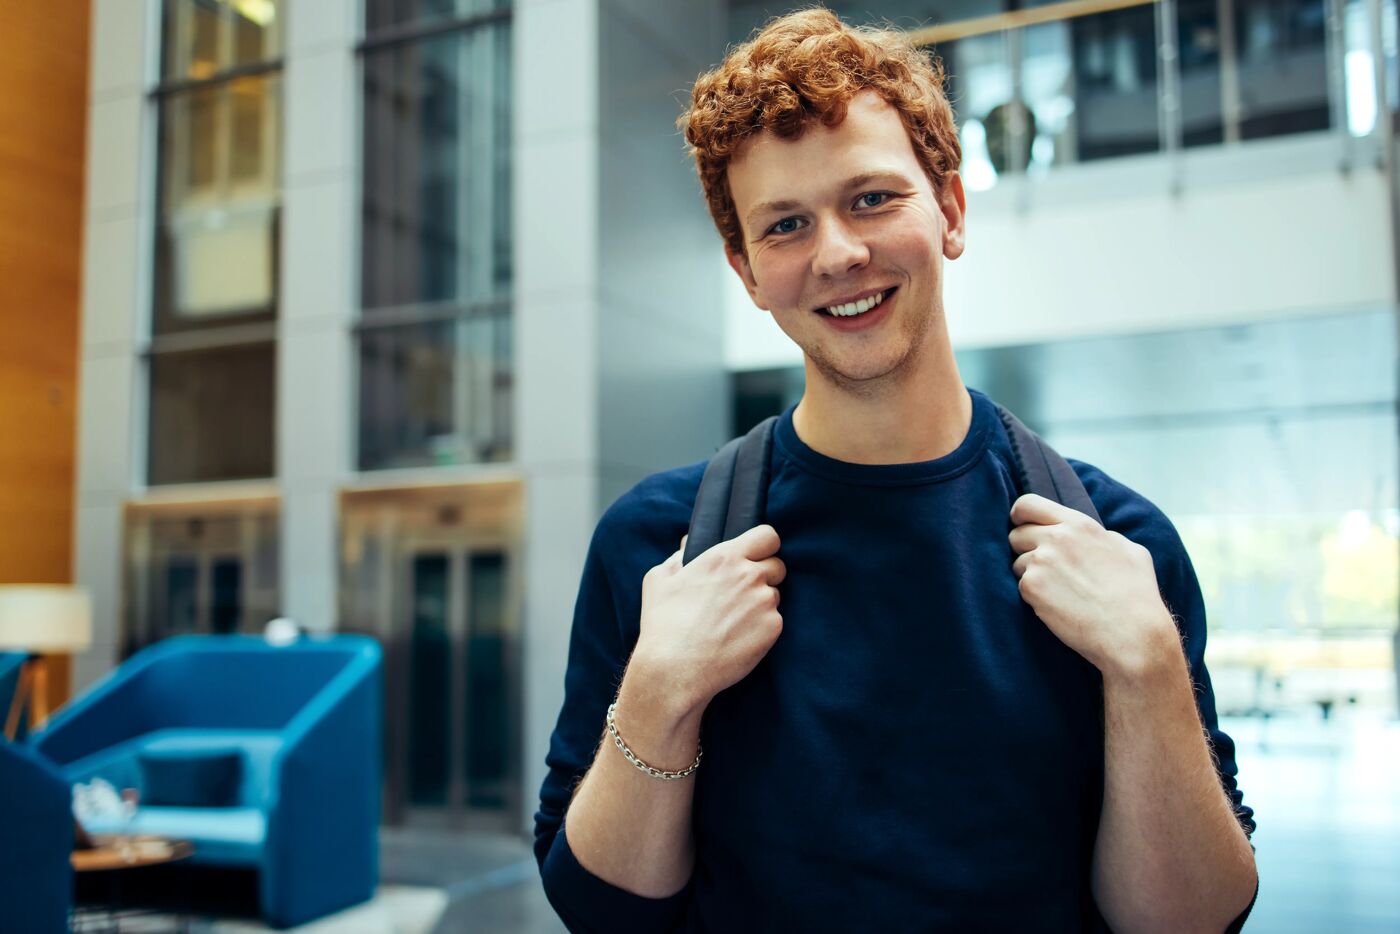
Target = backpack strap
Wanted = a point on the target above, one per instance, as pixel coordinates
(1043, 471)
(733, 495)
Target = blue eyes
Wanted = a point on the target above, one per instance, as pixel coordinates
(871, 199)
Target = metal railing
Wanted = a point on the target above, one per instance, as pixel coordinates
(1085, 80)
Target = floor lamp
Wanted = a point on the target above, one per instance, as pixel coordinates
(40, 618)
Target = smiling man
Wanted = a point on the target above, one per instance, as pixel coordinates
(926, 701)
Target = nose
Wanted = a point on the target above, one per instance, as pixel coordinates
(838, 250)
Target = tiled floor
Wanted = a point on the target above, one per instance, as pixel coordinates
(1328, 803)
(491, 882)
(1327, 797)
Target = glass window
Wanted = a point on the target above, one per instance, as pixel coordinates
(217, 240)
(1115, 65)
(216, 250)
(1198, 44)
(386, 14)
(211, 414)
(1282, 49)
(438, 392)
(979, 86)
(204, 37)
(436, 202)
(435, 364)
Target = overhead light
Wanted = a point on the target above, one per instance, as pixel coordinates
(262, 12)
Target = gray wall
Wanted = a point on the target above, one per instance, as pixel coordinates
(320, 222)
(663, 392)
(618, 292)
(116, 273)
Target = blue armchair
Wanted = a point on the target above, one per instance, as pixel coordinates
(264, 757)
(36, 877)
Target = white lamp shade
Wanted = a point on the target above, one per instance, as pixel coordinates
(45, 618)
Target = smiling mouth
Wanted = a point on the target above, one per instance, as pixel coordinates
(852, 309)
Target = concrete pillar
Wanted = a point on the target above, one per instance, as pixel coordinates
(315, 400)
(554, 208)
(115, 299)
(617, 295)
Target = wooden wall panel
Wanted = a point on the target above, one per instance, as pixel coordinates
(43, 128)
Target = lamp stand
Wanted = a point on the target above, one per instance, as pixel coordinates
(31, 691)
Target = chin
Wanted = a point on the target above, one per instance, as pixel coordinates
(856, 373)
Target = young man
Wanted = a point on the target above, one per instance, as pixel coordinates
(971, 709)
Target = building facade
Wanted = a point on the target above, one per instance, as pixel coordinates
(383, 304)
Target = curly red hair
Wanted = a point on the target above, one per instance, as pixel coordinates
(803, 67)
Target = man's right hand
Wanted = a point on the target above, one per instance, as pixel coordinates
(707, 624)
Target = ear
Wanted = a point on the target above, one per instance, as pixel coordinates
(740, 264)
(952, 202)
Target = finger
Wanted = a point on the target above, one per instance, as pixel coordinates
(1018, 567)
(1025, 538)
(757, 543)
(1036, 509)
(676, 558)
(774, 571)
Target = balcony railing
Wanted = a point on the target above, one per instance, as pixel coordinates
(1086, 80)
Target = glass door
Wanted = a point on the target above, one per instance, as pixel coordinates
(197, 568)
(457, 682)
(432, 616)
(433, 574)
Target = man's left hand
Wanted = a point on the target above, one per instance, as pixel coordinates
(1095, 589)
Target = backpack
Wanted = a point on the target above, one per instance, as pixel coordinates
(734, 490)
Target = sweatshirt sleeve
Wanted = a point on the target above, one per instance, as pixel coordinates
(1133, 516)
(1181, 592)
(597, 658)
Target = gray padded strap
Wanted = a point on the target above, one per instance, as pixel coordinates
(734, 491)
(1043, 471)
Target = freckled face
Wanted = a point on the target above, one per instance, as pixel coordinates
(846, 213)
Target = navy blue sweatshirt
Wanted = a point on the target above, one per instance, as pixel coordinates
(917, 751)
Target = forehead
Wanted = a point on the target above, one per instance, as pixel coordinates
(872, 138)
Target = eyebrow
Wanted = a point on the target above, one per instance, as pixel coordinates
(855, 181)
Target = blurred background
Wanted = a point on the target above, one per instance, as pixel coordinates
(361, 311)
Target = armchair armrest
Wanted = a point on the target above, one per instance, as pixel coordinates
(36, 876)
(108, 713)
(323, 821)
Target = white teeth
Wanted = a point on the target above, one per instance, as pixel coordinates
(857, 308)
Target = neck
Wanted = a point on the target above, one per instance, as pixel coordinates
(920, 418)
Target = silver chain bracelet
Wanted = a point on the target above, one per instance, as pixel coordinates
(632, 757)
